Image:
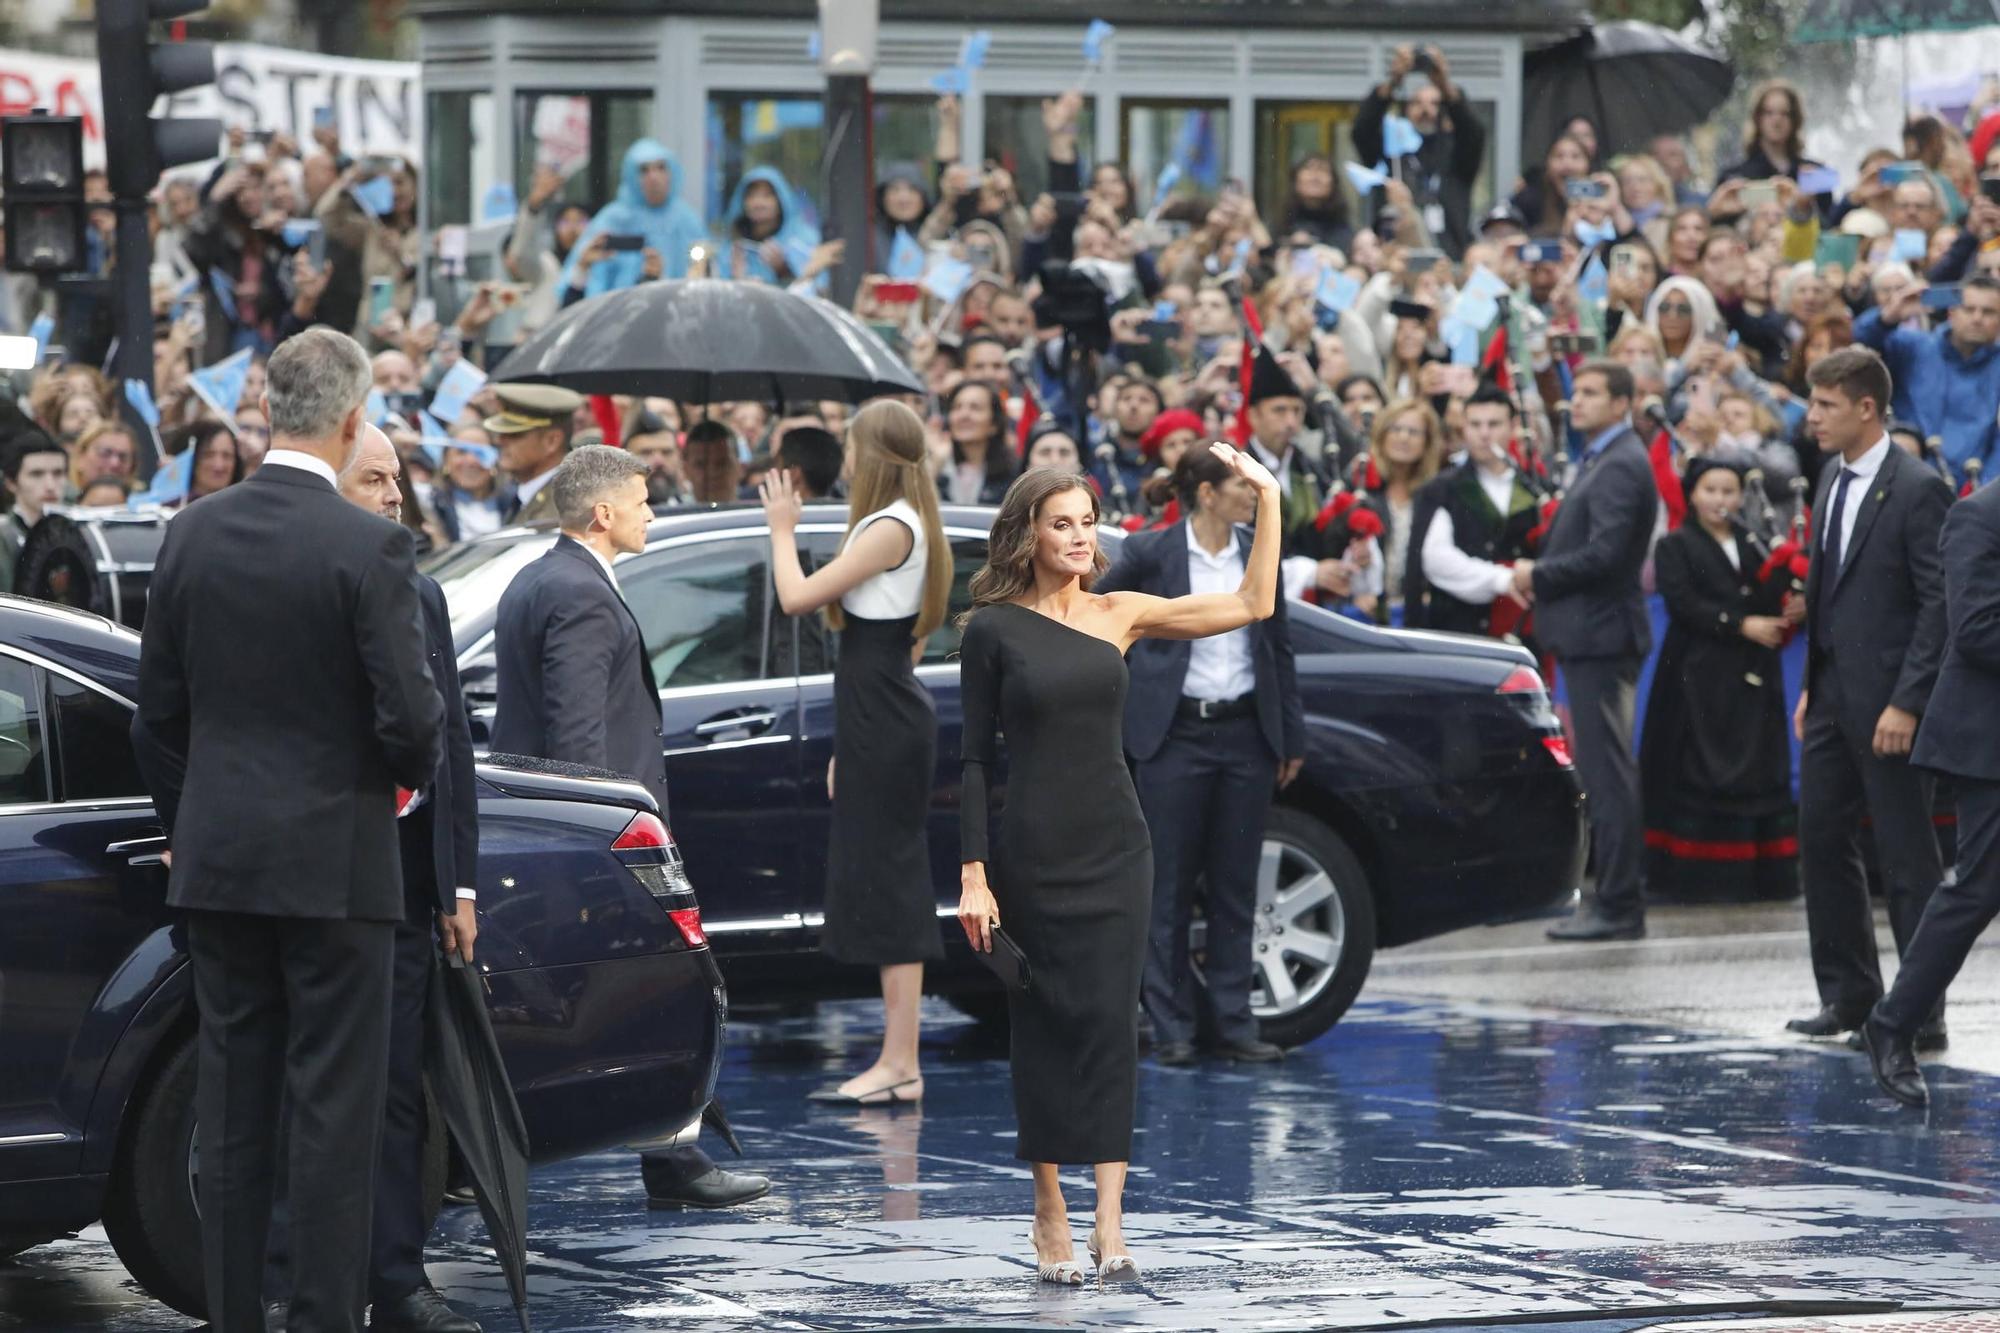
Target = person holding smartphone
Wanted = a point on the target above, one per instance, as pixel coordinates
(1441, 169)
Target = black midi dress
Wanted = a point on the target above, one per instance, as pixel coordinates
(881, 901)
(1715, 760)
(1073, 874)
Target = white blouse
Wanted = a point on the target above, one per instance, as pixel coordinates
(895, 593)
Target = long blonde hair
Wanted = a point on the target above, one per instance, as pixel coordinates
(1433, 459)
(1010, 550)
(891, 460)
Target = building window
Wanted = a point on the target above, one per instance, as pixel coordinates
(1195, 135)
(1015, 140)
(461, 155)
(582, 135)
(1290, 131)
(787, 132)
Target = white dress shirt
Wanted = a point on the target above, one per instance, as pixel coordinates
(1454, 572)
(1728, 545)
(604, 564)
(1281, 468)
(1221, 667)
(1864, 469)
(304, 462)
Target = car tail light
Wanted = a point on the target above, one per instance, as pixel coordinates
(1521, 680)
(1558, 748)
(644, 833)
(689, 921)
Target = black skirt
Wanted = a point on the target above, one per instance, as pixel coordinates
(881, 906)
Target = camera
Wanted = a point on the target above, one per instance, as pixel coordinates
(1422, 62)
(1076, 302)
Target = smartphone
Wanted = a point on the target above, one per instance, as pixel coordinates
(623, 241)
(897, 293)
(1990, 187)
(1944, 296)
(1165, 310)
(1623, 258)
(1572, 344)
(382, 166)
(381, 299)
(1422, 63)
(1583, 189)
(423, 312)
(316, 247)
(1542, 252)
(1897, 172)
(1160, 330)
(323, 118)
(1422, 261)
(1758, 193)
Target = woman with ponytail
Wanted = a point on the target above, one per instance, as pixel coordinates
(884, 593)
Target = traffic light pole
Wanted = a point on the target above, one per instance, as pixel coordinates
(132, 319)
(850, 181)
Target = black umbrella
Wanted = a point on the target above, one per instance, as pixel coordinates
(702, 340)
(470, 1083)
(1634, 80)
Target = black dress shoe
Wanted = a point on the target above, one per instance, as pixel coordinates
(714, 1189)
(1590, 924)
(421, 1311)
(1828, 1022)
(1895, 1065)
(460, 1196)
(1174, 1054)
(275, 1315)
(1250, 1051)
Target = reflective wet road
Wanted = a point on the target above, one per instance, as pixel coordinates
(1428, 1161)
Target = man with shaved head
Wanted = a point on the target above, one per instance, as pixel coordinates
(438, 828)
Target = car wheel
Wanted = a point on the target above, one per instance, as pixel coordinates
(1314, 935)
(149, 1208)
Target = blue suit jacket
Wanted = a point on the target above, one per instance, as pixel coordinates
(1157, 563)
(1956, 734)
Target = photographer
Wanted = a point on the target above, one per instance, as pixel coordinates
(1440, 173)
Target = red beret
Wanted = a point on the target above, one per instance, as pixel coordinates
(1166, 424)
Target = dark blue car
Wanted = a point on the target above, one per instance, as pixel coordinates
(603, 993)
(1436, 793)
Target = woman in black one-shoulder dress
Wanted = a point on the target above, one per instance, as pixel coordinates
(1044, 665)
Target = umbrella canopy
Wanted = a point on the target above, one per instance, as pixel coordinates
(1845, 20)
(1634, 80)
(470, 1083)
(702, 340)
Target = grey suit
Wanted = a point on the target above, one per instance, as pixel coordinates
(1875, 635)
(1591, 613)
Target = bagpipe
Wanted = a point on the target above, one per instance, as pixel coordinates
(1782, 576)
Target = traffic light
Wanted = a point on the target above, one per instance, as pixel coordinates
(133, 73)
(41, 172)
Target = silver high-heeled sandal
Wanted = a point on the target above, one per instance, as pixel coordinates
(1068, 1273)
(1119, 1268)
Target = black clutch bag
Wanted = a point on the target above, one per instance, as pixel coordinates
(1007, 961)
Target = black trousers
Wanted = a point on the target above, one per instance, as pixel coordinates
(1205, 796)
(1840, 781)
(1958, 911)
(1602, 693)
(294, 1009)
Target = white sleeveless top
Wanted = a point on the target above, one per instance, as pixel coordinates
(895, 593)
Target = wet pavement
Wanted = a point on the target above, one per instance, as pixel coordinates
(1433, 1161)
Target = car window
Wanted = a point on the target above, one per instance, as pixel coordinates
(968, 556)
(817, 644)
(701, 609)
(24, 775)
(94, 740)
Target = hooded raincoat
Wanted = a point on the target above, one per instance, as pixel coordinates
(672, 228)
(742, 257)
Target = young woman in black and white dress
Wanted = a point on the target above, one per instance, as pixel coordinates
(885, 592)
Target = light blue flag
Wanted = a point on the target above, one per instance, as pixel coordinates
(1819, 180)
(947, 279)
(141, 398)
(225, 294)
(377, 196)
(1365, 180)
(41, 331)
(1094, 39)
(297, 231)
(221, 385)
(1399, 138)
(1170, 176)
(1337, 291)
(435, 440)
(376, 408)
(906, 257)
(455, 390)
(972, 51)
(1591, 286)
(1910, 245)
(812, 45)
(499, 202)
(1484, 281)
(1475, 310)
(170, 483)
(1462, 339)
(952, 83)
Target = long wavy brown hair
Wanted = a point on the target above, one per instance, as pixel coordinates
(890, 464)
(1009, 571)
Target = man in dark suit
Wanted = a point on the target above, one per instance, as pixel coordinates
(1213, 727)
(1875, 630)
(1591, 614)
(438, 827)
(575, 683)
(1955, 737)
(283, 698)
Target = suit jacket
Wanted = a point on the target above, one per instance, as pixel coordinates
(1588, 602)
(575, 680)
(1881, 625)
(446, 825)
(283, 697)
(1956, 734)
(1156, 562)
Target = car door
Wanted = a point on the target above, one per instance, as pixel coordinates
(79, 859)
(938, 671)
(730, 719)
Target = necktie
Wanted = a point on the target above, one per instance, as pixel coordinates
(1836, 532)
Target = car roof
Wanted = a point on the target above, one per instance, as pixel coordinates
(90, 646)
